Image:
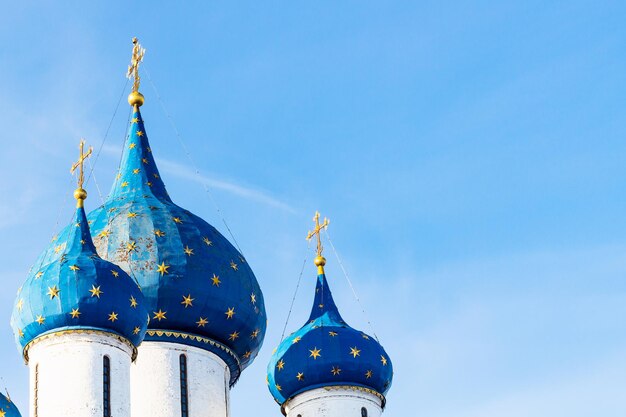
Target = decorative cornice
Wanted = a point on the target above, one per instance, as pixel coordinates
(382, 398)
(78, 331)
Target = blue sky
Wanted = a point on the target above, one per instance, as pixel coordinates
(470, 155)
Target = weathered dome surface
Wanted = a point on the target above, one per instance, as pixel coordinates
(327, 352)
(199, 290)
(70, 288)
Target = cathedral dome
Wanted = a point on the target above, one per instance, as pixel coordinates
(7, 408)
(71, 289)
(199, 290)
(327, 352)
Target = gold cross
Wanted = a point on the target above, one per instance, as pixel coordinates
(316, 231)
(133, 68)
(79, 164)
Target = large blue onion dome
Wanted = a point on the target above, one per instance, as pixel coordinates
(7, 408)
(71, 289)
(198, 289)
(327, 352)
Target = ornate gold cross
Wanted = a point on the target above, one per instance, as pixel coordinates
(133, 68)
(317, 230)
(79, 164)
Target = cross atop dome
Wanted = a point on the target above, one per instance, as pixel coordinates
(320, 261)
(135, 98)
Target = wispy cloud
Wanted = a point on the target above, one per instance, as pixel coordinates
(181, 171)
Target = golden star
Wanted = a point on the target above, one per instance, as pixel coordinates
(131, 246)
(368, 374)
(149, 150)
(278, 387)
(2, 412)
(233, 265)
(187, 301)
(136, 330)
(383, 360)
(115, 273)
(58, 248)
(40, 320)
(177, 220)
(296, 340)
(233, 336)
(280, 365)
(20, 304)
(144, 160)
(74, 267)
(253, 298)
(125, 184)
(336, 371)
(38, 275)
(332, 334)
(75, 313)
(134, 120)
(132, 146)
(136, 171)
(82, 241)
(255, 333)
(113, 316)
(159, 233)
(104, 233)
(188, 251)
(247, 354)
(155, 175)
(139, 133)
(355, 352)
(216, 280)
(300, 376)
(366, 337)
(53, 292)
(131, 214)
(230, 313)
(20, 332)
(207, 241)
(160, 315)
(149, 184)
(95, 291)
(202, 322)
(315, 353)
(133, 302)
(163, 268)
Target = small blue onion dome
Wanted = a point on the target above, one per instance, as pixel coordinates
(72, 289)
(327, 352)
(199, 289)
(7, 408)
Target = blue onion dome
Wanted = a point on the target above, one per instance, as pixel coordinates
(327, 352)
(7, 408)
(199, 290)
(72, 289)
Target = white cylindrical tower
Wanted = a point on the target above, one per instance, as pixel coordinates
(172, 379)
(339, 401)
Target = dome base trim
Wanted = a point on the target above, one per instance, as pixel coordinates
(328, 387)
(62, 332)
(224, 352)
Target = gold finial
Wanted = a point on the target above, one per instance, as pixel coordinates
(320, 261)
(135, 98)
(80, 194)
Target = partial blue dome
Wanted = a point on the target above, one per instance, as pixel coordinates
(199, 289)
(72, 288)
(7, 408)
(327, 352)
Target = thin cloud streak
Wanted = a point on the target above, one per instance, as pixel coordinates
(182, 171)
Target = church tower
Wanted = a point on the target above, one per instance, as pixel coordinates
(78, 320)
(206, 308)
(327, 368)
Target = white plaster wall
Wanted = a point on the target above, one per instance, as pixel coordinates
(70, 371)
(155, 382)
(333, 402)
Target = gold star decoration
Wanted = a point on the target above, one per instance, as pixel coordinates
(187, 301)
(125, 184)
(131, 246)
(207, 241)
(75, 313)
(255, 333)
(20, 332)
(368, 374)
(383, 360)
(136, 171)
(159, 233)
(53, 292)
(38, 275)
(216, 280)
(177, 220)
(278, 387)
(58, 248)
(280, 365)
(134, 120)
(253, 298)
(366, 337)
(233, 265)
(40, 319)
(155, 175)
(133, 302)
(315, 353)
(354, 352)
(149, 184)
(104, 233)
(296, 340)
(139, 133)
(131, 214)
(163, 268)
(188, 251)
(160, 315)
(247, 354)
(336, 371)
(136, 330)
(115, 273)
(113, 316)
(95, 291)
(230, 313)
(332, 334)
(300, 376)
(82, 241)
(144, 160)
(202, 322)
(74, 267)
(2, 412)
(132, 146)
(20, 304)
(233, 336)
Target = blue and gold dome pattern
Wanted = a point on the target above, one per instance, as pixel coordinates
(327, 352)
(199, 290)
(7, 408)
(70, 288)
